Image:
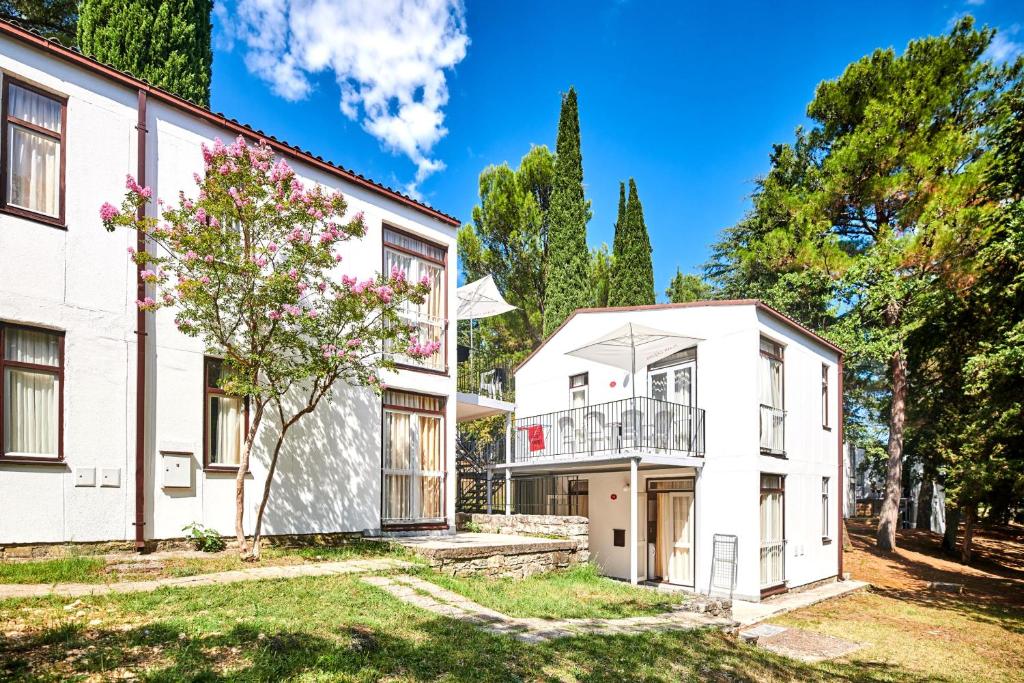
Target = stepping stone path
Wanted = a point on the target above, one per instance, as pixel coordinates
(433, 598)
(806, 646)
(32, 590)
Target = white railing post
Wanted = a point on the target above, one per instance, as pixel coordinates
(633, 535)
(508, 491)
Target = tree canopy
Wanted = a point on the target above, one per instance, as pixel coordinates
(632, 279)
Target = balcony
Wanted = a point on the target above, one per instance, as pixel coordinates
(625, 426)
(491, 381)
(773, 431)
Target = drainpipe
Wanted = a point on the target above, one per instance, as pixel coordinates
(840, 490)
(140, 345)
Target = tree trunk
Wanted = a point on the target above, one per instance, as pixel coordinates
(889, 516)
(266, 494)
(243, 469)
(952, 523)
(971, 513)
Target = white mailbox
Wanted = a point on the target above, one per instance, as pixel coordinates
(177, 470)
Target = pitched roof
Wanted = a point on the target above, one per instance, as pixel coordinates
(74, 56)
(760, 305)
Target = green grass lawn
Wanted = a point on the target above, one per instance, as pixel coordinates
(338, 628)
(91, 569)
(579, 592)
(61, 570)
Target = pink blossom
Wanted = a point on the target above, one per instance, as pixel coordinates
(190, 255)
(131, 251)
(208, 258)
(302, 287)
(293, 274)
(272, 247)
(274, 315)
(109, 212)
(197, 178)
(168, 299)
(205, 280)
(337, 258)
(201, 215)
(322, 287)
(260, 261)
(312, 313)
(146, 304)
(224, 169)
(397, 273)
(348, 280)
(148, 275)
(425, 280)
(353, 343)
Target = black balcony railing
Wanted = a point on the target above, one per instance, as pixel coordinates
(629, 424)
(486, 380)
(773, 430)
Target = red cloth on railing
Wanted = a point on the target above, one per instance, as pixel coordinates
(535, 435)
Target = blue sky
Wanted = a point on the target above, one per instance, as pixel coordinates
(687, 98)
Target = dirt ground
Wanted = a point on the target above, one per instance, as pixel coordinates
(995, 576)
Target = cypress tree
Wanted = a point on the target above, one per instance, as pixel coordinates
(567, 285)
(632, 282)
(166, 42)
(620, 219)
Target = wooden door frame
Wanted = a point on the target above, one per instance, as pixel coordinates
(652, 525)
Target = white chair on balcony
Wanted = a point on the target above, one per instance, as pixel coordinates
(490, 384)
(568, 434)
(632, 428)
(598, 436)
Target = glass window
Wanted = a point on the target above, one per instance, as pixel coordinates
(226, 419)
(413, 459)
(579, 391)
(419, 259)
(824, 507)
(33, 137)
(824, 396)
(32, 368)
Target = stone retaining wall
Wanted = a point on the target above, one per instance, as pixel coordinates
(548, 526)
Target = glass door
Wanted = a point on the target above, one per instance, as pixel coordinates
(673, 425)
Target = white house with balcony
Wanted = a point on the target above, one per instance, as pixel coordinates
(113, 423)
(702, 440)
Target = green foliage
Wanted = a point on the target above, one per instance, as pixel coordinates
(632, 281)
(688, 287)
(166, 42)
(600, 275)
(51, 18)
(567, 285)
(867, 218)
(76, 569)
(508, 239)
(206, 540)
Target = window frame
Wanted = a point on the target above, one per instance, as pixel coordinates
(209, 391)
(825, 407)
(826, 536)
(414, 472)
(584, 386)
(58, 221)
(443, 264)
(57, 370)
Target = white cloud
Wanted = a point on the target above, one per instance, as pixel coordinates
(389, 57)
(976, 3)
(1002, 48)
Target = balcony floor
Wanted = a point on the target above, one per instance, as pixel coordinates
(601, 462)
(476, 407)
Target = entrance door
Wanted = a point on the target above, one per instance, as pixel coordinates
(675, 537)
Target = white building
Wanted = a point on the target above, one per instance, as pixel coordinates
(114, 432)
(723, 474)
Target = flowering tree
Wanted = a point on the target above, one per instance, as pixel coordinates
(251, 267)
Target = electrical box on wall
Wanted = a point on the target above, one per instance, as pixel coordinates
(85, 476)
(111, 477)
(177, 469)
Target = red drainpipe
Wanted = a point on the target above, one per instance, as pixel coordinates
(841, 490)
(140, 363)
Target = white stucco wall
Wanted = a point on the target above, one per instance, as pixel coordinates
(728, 485)
(80, 281)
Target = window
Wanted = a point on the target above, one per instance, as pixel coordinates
(413, 459)
(824, 507)
(824, 397)
(579, 391)
(33, 151)
(226, 417)
(32, 400)
(419, 259)
(773, 414)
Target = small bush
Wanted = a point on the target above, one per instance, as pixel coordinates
(207, 540)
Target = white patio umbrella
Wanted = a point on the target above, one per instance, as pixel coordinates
(633, 346)
(480, 299)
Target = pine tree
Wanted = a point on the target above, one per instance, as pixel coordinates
(632, 282)
(166, 42)
(568, 261)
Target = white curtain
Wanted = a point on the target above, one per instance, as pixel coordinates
(663, 559)
(397, 467)
(33, 180)
(430, 315)
(771, 517)
(430, 466)
(227, 427)
(31, 398)
(771, 382)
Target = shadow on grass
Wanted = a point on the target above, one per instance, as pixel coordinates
(997, 600)
(437, 648)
